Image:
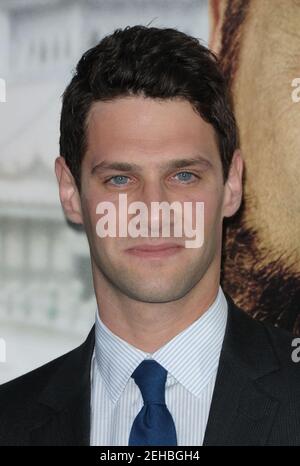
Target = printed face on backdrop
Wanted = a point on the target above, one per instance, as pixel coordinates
(258, 42)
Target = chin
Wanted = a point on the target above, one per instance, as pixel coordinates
(153, 295)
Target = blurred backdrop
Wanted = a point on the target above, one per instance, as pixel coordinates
(47, 305)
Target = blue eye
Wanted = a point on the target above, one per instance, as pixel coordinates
(184, 176)
(118, 180)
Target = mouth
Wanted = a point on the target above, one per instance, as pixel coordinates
(152, 251)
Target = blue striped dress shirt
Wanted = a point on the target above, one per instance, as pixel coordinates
(191, 359)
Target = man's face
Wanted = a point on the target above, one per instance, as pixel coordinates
(149, 137)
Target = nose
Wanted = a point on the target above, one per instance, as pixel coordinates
(153, 191)
(160, 219)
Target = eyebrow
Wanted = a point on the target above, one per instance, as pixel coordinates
(177, 163)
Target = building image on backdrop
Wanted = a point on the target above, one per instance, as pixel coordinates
(47, 303)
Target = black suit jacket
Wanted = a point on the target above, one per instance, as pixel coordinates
(256, 400)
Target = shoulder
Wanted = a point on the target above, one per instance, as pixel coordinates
(286, 347)
(264, 343)
(31, 383)
(22, 393)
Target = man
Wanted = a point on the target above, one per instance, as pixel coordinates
(171, 360)
(258, 43)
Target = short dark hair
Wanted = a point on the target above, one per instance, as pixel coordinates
(153, 62)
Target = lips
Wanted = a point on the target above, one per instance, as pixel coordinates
(155, 247)
(155, 250)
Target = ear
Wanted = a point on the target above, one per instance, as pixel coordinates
(216, 9)
(233, 190)
(68, 192)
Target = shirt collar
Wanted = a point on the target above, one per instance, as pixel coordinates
(191, 357)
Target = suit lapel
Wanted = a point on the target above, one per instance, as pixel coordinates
(242, 412)
(63, 412)
(66, 427)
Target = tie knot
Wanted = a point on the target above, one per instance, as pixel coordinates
(151, 377)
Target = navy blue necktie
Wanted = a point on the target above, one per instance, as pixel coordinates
(154, 424)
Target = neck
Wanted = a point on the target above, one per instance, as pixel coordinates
(149, 326)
